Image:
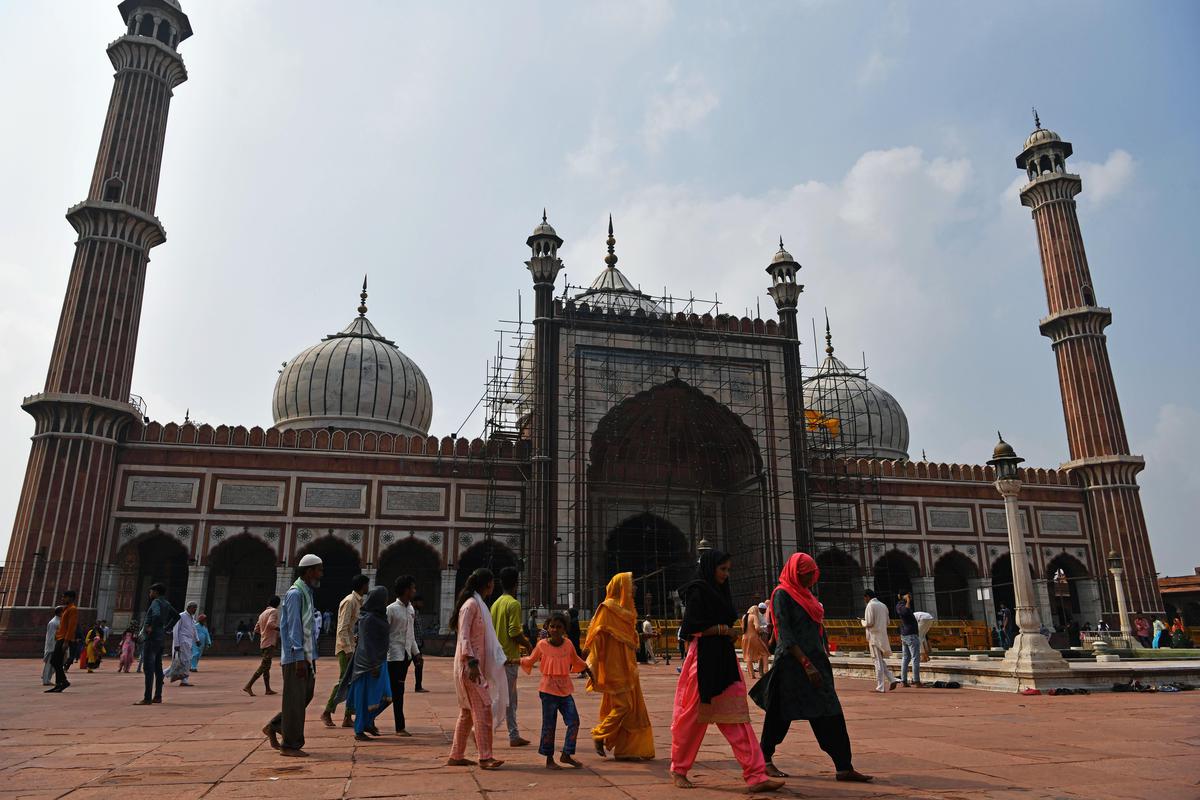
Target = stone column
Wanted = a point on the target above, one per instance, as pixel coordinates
(924, 596)
(1122, 606)
(981, 609)
(1089, 600)
(1030, 652)
(106, 596)
(197, 585)
(449, 576)
(1042, 590)
(285, 576)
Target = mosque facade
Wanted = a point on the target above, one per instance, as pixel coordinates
(641, 432)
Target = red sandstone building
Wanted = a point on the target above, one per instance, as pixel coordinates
(629, 433)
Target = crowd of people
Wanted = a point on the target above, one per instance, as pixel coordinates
(378, 644)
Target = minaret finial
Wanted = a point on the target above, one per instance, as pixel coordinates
(362, 299)
(1037, 121)
(999, 436)
(187, 417)
(828, 336)
(781, 242)
(543, 214)
(611, 258)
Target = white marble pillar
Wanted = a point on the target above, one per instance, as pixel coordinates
(1042, 590)
(106, 598)
(449, 576)
(285, 576)
(370, 573)
(924, 596)
(1031, 652)
(981, 609)
(197, 586)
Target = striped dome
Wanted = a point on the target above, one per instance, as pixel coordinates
(353, 379)
(869, 421)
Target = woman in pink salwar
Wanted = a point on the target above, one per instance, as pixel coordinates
(711, 688)
(127, 647)
(479, 679)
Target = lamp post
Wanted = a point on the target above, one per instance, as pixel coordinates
(1030, 650)
(1115, 567)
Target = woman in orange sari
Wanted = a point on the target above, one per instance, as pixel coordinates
(612, 643)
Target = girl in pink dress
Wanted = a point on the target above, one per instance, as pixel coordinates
(127, 647)
(479, 679)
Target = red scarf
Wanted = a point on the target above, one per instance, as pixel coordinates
(789, 581)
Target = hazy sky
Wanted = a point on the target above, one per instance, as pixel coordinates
(418, 142)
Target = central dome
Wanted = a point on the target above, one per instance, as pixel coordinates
(354, 379)
(863, 420)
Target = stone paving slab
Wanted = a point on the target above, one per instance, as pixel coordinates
(206, 742)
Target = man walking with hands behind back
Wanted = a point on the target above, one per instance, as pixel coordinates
(298, 658)
(875, 620)
(506, 619)
(267, 629)
(344, 643)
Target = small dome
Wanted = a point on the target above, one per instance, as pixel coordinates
(544, 228)
(1041, 136)
(354, 379)
(869, 421)
(782, 256)
(612, 290)
(1003, 450)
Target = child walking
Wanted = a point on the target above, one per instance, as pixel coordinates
(127, 648)
(559, 661)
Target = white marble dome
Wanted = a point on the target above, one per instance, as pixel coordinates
(354, 379)
(869, 421)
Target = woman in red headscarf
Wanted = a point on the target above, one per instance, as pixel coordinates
(800, 683)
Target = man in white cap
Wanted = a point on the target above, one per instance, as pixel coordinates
(298, 658)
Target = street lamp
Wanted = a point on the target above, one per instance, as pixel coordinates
(1029, 650)
(1116, 567)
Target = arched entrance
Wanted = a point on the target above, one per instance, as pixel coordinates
(951, 585)
(341, 565)
(156, 558)
(657, 554)
(836, 586)
(894, 573)
(241, 580)
(490, 554)
(1064, 594)
(1003, 593)
(413, 557)
(668, 467)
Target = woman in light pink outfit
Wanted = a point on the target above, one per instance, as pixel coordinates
(479, 679)
(127, 647)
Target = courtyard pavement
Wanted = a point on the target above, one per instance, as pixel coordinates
(206, 741)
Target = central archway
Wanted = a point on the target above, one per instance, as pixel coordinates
(156, 558)
(341, 564)
(413, 557)
(951, 584)
(668, 467)
(894, 574)
(241, 581)
(657, 554)
(835, 587)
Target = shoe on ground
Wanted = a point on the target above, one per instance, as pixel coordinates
(518, 742)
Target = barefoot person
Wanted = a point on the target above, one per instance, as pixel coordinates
(612, 645)
(559, 660)
(711, 688)
(347, 625)
(267, 629)
(365, 685)
(479, 679)
(297, 658)
(800, 684)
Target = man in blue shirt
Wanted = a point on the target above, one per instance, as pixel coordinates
(298, 658)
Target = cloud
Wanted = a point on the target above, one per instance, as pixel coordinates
(595, 157)
(1172, 472)
(874, 69)
(1101, 182)
(685, 103)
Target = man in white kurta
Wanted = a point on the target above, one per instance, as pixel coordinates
(875, 620)
(48, 649)
(183, 639)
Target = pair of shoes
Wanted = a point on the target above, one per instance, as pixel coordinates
(1030, 692)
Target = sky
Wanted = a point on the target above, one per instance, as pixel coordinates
(418, 143)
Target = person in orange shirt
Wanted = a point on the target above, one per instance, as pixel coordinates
(559, 660)
(63, 639)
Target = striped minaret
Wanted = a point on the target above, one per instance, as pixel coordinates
(59, 530)
(1075, 325)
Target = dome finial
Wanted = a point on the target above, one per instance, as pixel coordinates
(611, 258)
(781, 242)
(828, 336)
(1037, 121)
(362, 298)
(543, 213)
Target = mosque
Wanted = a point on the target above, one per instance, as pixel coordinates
(630, 432)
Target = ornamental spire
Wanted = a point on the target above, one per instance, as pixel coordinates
(611, 258)
(362, 299)
(1037, 121)
(828, 335)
